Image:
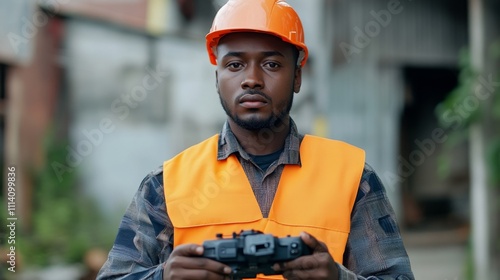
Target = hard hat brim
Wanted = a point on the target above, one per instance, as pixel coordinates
(213, 38)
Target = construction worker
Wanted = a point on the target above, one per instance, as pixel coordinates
(260, 173)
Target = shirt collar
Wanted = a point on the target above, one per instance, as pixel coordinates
(228, 144)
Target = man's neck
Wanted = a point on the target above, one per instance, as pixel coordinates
(263, 141)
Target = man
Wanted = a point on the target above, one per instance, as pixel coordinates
(260, 173)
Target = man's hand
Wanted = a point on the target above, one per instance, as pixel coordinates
(185, 263)
(319, 265)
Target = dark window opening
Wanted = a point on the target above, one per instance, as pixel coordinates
(430, 201)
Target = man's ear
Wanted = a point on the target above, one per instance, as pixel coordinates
(297, 81)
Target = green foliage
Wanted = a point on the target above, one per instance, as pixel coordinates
(452, 116)
(457, 115)
(494, 160)
(454, 102)
(469, 261)
(494, 146)
(488, 112)
(66, 223)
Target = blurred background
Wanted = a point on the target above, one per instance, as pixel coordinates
(96, 94)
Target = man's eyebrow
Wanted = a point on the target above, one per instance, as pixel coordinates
(273, 53)
(233, 54)
(266, 54)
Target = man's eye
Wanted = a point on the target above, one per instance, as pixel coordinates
(234, 65)
(273, 65)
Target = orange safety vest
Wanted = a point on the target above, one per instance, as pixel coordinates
(205, 196)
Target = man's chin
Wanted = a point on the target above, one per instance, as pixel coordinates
(254, 124)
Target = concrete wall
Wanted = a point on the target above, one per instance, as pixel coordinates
(120, 104)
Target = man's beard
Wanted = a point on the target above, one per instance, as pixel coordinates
(254, 123)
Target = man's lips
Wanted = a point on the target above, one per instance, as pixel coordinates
(252, 101)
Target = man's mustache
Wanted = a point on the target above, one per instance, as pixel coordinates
(254, 92)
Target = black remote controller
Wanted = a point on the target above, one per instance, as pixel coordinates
(252, 252)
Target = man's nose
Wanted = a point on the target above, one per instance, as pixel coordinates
(253, 78)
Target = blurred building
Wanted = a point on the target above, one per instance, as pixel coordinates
(130, 84)
(31, 79)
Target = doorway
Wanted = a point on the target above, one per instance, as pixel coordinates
(435, 190)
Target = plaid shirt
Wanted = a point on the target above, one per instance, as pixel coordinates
(374, 248)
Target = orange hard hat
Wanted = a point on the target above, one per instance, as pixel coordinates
(275, 17)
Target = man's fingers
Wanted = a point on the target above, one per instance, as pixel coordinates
(188, 256)
(198, 263)
(320, 252)
(317, 266)
(186, 262)
(303, 263)
(313, 243)
(194, 273)
(187, 250)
